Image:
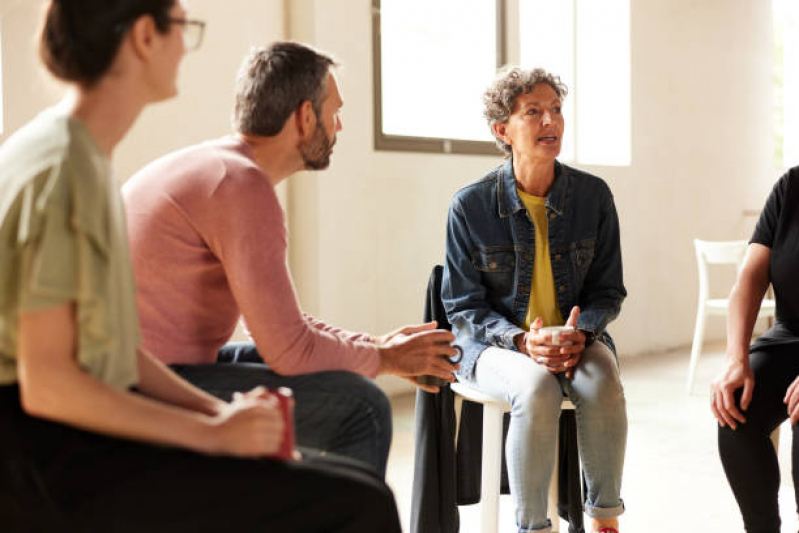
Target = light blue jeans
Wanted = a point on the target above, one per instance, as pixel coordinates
(535, 397)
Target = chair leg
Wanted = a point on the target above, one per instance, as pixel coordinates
(492, 467)
(775, 439)
(552, 504)
(696, 346)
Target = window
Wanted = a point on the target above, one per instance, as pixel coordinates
(430, 76)
(786, 83)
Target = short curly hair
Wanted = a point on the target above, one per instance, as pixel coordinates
(500, 97)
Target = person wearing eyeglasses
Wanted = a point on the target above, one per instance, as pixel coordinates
(535, 243)
(209, 244)
(96, 435)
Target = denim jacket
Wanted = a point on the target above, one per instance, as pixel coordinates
(491, 250)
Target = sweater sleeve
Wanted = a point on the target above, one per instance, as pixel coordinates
(247, 233)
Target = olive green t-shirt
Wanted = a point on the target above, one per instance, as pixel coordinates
(62, 240)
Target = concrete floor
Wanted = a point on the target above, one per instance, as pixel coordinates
(673, 480)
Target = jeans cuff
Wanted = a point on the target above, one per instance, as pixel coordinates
(547, 528)
(605, 512)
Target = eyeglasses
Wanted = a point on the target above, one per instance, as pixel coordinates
(193, 31)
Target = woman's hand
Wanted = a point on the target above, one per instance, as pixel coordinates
(792, 400)
(735, 375)
(250, 426)
(744, 303)
(556, 358)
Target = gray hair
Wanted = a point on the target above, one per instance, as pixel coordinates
(500, 97)
(272, 83)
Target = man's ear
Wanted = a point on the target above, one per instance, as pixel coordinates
(142, 37)
(306, 118)
(499, 131)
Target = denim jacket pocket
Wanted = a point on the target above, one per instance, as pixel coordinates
(582, 254)
(497, 267)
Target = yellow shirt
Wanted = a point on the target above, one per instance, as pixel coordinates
(63, 239)
(543, 301)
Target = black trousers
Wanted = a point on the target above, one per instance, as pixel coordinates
(57, 478)
(747, 454)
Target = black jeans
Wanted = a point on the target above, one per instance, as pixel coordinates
(747, 454)
(57, 478)
(336, 412)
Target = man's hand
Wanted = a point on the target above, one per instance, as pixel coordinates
(383, 340)
(416, 351)
(427, 388)
(736, 374)
(556, 358)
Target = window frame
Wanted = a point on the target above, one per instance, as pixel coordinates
(508, 52)
(408, 143)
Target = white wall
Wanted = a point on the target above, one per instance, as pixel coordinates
(206, 79)
(201, 111)
(701, 111)
(365, 233)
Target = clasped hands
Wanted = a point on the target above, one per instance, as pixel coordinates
(555, 358)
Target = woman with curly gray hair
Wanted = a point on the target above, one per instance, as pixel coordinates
(531, 243)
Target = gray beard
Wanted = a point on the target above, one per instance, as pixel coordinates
(316, 152)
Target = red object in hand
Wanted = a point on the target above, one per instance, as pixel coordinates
(286, 399)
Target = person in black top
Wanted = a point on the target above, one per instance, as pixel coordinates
(758, 387)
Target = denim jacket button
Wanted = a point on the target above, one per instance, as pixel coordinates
(558, 257)
(561, 288)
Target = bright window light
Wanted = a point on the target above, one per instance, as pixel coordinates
(546, 40)
(586, 43)
(438, 57)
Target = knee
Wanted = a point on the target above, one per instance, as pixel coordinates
(752, 429)
(541, 396)
(368, 397)
(597, 382)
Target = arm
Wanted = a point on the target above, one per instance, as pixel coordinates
(745, 299)
(55, 387)
(338, 332)
(603, 291)
(463, 292)
(158, 382)
(251, 242)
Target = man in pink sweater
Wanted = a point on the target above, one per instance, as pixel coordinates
(208, 241)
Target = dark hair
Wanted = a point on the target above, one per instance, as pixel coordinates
(80, 38)
(274, 81)
(500, 97)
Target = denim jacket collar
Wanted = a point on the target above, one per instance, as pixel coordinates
(509, 201)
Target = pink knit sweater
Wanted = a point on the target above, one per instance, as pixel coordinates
(208, 242)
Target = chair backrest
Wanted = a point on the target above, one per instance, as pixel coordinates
(717, 253)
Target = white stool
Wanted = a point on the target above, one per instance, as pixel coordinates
(493, 409)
